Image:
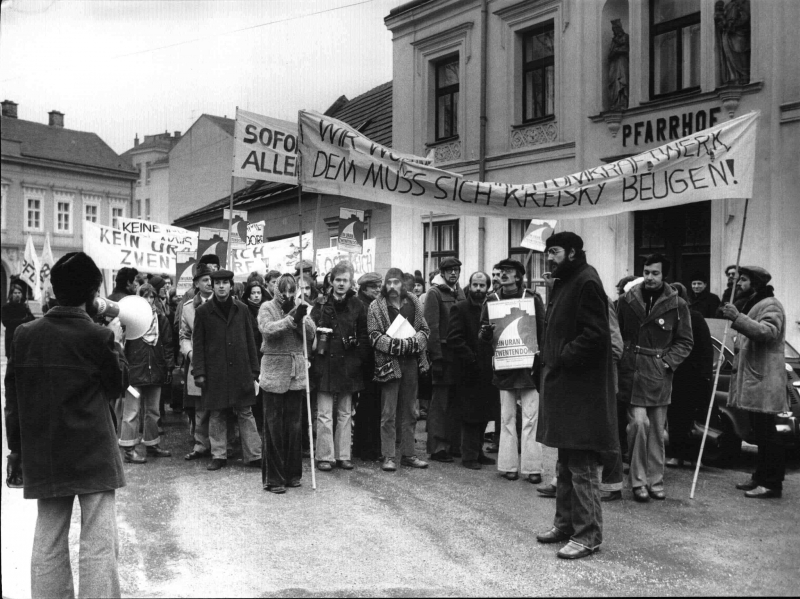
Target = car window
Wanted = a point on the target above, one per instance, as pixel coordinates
(790, 353)
(727, 366)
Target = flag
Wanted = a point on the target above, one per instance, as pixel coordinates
(47, 263)
(31, 268)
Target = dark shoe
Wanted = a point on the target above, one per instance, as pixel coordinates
(492, 448)
(471, 464)
(441, 456)
(748, 486)
(552, 536)
(455, 454)
(510, 475)
(414, 462)
(610, 495)
(763, 493)
(388, 465)
(657, 494)
(535, 479)
(133, 458)
(324, 466)
(345, 464)
(574, 551)
(486, 461)
(195, 455)
(641, 495)
(156, 452)
(216, 464)
(277, 489)
(546, 490)
(254, 463)
(294, 484)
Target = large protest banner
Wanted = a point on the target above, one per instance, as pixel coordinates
(362, 263)
(213, 241)
(113, 249)
(183, 239)
(281, 255)
(712, 164)
(514, 338)
(264, 148)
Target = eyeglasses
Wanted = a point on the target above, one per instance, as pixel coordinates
(554, 251)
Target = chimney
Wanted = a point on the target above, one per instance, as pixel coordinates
(136, 140)
(177, 134)
(9, 109)
(56, 119)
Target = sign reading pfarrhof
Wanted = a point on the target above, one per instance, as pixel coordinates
(712, 164)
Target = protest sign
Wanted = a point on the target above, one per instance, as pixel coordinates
(514, 339)
(113, 249)
(712, 164)
(362, 263)
(281, 255)
(264, 148)
(47, 262)
(184, 274)
(30, 268)
(537, 233)
(255, 233)
(239, 228)
(351, 230)
(213, 241)
(183, 239)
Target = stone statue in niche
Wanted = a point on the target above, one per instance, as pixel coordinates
(733, 40)
(618, 67)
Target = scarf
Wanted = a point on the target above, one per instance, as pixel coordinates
(151, 336)
(761, 294)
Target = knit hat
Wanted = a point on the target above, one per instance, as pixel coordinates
(449, 262)
(699, 276)
(756, 274)
(157, 282)
(394, 273)
(371, 278)
(565, 239)
(201, 269)
(209, 259)
(509, 263)
(75, 277)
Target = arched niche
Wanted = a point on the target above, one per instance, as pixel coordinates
(613, 9)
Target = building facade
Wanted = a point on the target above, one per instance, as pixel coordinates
(519, 92)
(151, 159)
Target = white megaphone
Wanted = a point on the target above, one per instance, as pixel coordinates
(134, 313)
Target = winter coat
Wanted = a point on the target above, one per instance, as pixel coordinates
(519, 378)
(758, 381)
(339, 370)
(185, 338)
(12, 316)
(436, 308)
(577, 406)
(368, 359)
(704, 302)
(388, 349)
(691, 383)
(663, 336)
(63, 371)
(149, 365)
(472, 363)
(283, 365)
(259, 339)
(224, 352)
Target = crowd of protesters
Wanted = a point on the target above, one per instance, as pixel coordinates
(607, 380)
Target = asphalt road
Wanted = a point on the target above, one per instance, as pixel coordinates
(444, 531)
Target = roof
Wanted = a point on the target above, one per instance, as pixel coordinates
(224, 123)
(370, 113)
(162, 141)
(62, 145)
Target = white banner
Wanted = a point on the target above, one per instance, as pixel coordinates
(362, 263)
(280, 255)
(183, 239)
(113, 248)
(264, 148)
(30, 268)
(255, 233)
(47, 262)
(712, 164)
(537, 233)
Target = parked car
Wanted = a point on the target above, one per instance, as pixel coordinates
(730, 426)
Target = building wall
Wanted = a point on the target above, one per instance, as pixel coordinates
(154, 186)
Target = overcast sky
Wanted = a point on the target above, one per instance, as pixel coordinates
(119, 67)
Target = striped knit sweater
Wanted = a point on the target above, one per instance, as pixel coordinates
(387, 349)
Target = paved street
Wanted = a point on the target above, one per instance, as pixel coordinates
(186, 532)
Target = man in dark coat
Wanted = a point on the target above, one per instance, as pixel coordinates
(731, 291)
(700, 297)
(473, 367)
(367, 435)
(63, 371)
(124, 283)
(225, 368)
(578, 405)
(336, 371)
(443, 426)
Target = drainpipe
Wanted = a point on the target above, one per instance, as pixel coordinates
(482, 135)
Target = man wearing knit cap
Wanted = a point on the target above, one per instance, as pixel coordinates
(578, 405)
(367, 418)
(397, 363)
(701, 297)
(443, 426)
(758, 384)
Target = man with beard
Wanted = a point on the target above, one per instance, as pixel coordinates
(367, 435)
(397, 362)
(516, 385)
(656, 328)
(473, 365)
(443, 425)
(578, 411)
(496, 279)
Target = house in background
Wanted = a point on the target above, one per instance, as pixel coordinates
(151, 159)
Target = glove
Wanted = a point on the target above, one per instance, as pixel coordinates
(287, 305)
(200, 381)
(487, 332)
(300, 313)
(14, 471)
(437, 368)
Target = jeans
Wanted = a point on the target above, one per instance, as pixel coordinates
(397, 403)
(578, 508)
(443, 429)
(771, 459)
(472, 441)
(133, 407)
(508, 460)
(282, 446)
(646, 445)
(51, 573)
(219, 429)
(330, 447)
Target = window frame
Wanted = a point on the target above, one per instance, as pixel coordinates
(31, 193)
(147, 170)
(444, 91)
(94, 201)
(63, 197)
(111, 215)
(677, 25)
(540, 65)
(437, 255)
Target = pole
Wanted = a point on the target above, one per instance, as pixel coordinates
(430, 244)
(316, 226)
(229, 263)
(305, 341)
(721, 355)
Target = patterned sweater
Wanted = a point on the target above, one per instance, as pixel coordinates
(282, 365)
(387, 349)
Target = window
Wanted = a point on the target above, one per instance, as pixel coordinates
(34, 200)
(116, 214)
(446, 83)
(63, 211)
(147, 173)
(138, 205)
(535, 262)
(139, 168)
(674, 46)
(444, 242)
(90, 212)
(147, 208)
(538, 72)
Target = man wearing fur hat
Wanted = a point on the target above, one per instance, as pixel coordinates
(397, 363)
(758, 384)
